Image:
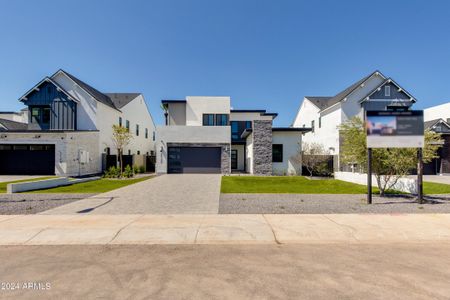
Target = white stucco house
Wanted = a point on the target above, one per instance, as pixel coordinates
(205, 135)
(324, 114)
(69, 128)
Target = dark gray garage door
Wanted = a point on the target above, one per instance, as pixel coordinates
(27, 159)
(194, 160)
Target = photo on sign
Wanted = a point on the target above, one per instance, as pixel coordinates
(381, 125)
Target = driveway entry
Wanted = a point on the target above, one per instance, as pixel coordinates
(165, 194)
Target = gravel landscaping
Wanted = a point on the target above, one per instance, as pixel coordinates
(328, 204)
(25, 204)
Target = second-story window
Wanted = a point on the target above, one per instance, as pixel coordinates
(234, 130)
(312, 126)
(146, 133)
(221, 120)
(320, 122)
(137, 130)
(120, 121)
(154, 136)
(208, 119)
(127, 125)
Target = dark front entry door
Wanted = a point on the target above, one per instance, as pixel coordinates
(27, 159)
(194, 160)
(234, 159)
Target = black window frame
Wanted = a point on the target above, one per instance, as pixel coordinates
(312, 126)
(207, 118)
(137, 129)
(127, 125)
(277, 153)
(222, 120)
(120, 121)
(43, 116)
(146, 133)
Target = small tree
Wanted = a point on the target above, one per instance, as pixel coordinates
(313, 156)
(388, 164)
(121, 138)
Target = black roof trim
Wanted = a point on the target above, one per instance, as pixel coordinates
(47, 131)
(248, 110)
(166, 101)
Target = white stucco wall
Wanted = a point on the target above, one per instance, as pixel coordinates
(187, 134)
(86, 108)
(291, 142)
(407, 185)
(239, 116)
(21, 117)
(67, 148)
(240, 156)
(437, 112)
(249, 153)
(137, 113)
(196, 106)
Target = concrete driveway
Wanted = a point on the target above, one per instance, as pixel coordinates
(165, 194)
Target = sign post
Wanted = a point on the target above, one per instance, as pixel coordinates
(420, 176)
(395, 129)
(369, 176)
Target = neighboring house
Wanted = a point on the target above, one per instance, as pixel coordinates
(325, 114)
(6, 125)
(21, 117)
(204, 135)
(441, 111)
(69, 130)
(441, 164)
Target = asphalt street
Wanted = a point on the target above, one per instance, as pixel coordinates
(332, 271)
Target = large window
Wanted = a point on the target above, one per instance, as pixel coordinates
(234, 130)
(208, 119)
(277, 153)
(40, 115)
(221, 120)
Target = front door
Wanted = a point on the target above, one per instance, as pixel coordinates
(234, 159)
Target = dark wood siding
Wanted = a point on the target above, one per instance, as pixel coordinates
(63, 110)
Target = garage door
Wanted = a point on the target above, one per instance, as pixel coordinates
(27, 159)
(194, 160)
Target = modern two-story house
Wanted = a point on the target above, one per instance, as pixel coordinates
(205, 135)
(324, 114)
(69, 128)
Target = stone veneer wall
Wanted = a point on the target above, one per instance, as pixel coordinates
(262, 147)
(67, 145)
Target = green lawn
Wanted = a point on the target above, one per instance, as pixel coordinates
(3, 184)
(289, 185)
(435, 188)
(92, 187)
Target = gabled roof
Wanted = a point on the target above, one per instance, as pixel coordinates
(430, 124)
(121, 99)
(12, 125)
(386, 81)
(325, 102)
(48, 79)
(96, 94)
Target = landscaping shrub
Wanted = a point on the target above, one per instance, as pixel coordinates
(112, 172)
(128, 172)
(142, 169)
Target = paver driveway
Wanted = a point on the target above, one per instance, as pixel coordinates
(166, 194)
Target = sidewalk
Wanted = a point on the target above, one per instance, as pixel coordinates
(223, 229)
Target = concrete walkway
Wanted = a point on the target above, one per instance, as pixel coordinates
(223, 229)
(166, 194)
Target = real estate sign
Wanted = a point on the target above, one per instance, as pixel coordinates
(395, 129)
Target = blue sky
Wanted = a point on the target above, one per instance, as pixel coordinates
(264, 54)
